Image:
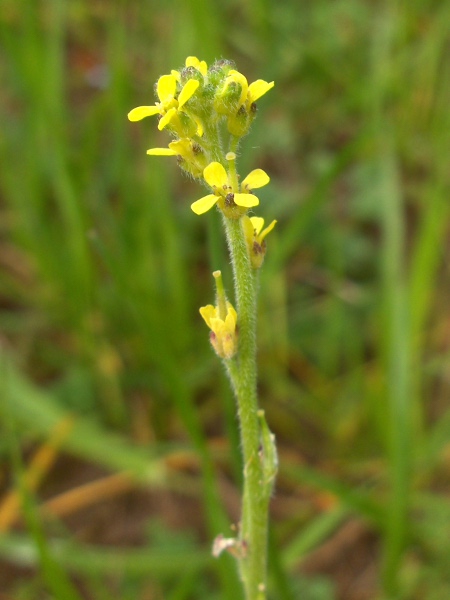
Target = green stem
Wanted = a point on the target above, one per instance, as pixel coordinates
(212, 143)
(232, 165)
(242, 370)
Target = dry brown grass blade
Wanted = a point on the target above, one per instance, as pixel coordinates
(39, 466)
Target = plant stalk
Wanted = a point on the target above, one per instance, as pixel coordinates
(243, 374)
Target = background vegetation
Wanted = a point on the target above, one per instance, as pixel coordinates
(119, 453)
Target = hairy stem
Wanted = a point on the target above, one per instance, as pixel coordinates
(243, 374)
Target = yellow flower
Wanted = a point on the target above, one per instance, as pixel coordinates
(191, 153)
(168, 106)
(255, 179)
(216, 177)
(259, 233)
(223, 329)
(255, 237)
(183, 147)
(249, 93)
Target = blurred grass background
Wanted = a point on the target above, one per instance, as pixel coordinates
(119, 450)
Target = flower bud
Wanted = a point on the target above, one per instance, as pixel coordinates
(218, 71)
(190, 73)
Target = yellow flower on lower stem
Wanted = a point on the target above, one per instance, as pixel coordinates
(223, 334)
(222, 320)
(217, 178)
(168, 105)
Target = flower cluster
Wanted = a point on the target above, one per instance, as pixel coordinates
(207, 111)
(195, 105)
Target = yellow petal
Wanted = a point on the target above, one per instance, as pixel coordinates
(234, 75)
(258, 88)
(249, 229)
(215, 175)
(165, 120)
(229, 346)
(141, 112)
(257, 223)
(192, 61)
(176, 74)
(199, 125)
(161, 152)
(246, 200)
(255, 179)
(208, 313)
(182, 147)
(267, 230)
(204, 204)
(217, 325)
(166, 87)
(187, 91)
(232, 312)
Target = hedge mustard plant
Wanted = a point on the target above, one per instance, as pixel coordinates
(201, 107)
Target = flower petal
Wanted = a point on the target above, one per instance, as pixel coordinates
(218, 326)
(229, 324)
(199, 125)
(161, 152)
(187, 91)
(267, 230)
(234, 75)
(182, 147)
(255, 179)
(232, 312)
(246, 200)
(215, 175)
(249, 228)
(258, 223)
(258, 88)
(229, 345)
(192, 61)
(208, 313)
(204, 204)
(140, 112)
(165, 120)
(166, 87)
